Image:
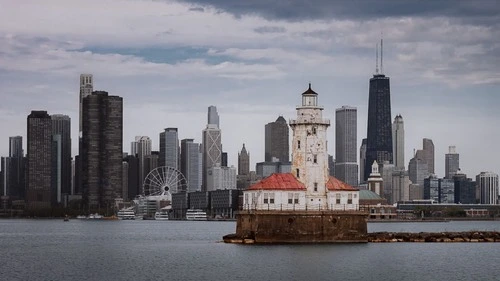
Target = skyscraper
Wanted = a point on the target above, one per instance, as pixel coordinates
(102, 149)
(190, 164)
(14, 169)
(169, 148)
(379, 132)
(346, 166)
(488, 187)
(362, 161)
(213, 116)
(398, 139)
(16, 147)
(141, 148)
(451, 162)
(211, 143)
(61, 125)
(418, 170)
(86, 89)
(428, 154)
(243, 161)
(39, 185)
(276, 141)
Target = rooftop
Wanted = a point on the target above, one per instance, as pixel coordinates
(335, 184)
(285, 181)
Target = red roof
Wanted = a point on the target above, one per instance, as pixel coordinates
(335, 184)
(278, 182)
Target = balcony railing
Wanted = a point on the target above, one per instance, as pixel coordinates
(322, 121)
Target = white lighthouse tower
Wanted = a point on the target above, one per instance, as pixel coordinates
(309, 149)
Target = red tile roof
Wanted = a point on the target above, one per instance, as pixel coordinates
(335, 184)
(279, 182)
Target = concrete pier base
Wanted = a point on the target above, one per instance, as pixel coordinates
(299, 227)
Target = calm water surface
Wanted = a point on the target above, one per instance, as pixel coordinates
(179, 250)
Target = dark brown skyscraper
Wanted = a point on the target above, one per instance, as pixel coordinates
(39, 160)
(276, 141)
(243, 162)
(102, 148)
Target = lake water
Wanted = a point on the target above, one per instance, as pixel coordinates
(181, 250)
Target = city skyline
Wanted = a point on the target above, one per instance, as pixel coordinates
(431, 78)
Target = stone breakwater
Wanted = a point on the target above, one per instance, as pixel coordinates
(467, 236)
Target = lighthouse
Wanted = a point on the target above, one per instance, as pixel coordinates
(309, 149)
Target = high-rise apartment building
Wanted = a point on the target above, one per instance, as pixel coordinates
(488, 187)
(61, 126)
(39, 174)
(418, 170)
(102, 149)
(398, 142)
(221, 178)
(243, 161)
(169, 148)
(13, 170)
(141, 148)
(190, 164)
(465, 189)
(379, 132)
(451, 162)
(346, 166)
(427, 154)
(276, 145)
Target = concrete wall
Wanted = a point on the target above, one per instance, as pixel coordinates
(302, 227)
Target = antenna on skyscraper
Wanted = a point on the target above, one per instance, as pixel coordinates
(381, 54)
(376, 58)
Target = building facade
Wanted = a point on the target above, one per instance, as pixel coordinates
(398, 139)
(488, 187)
(39, 192)
(219, 177)
(400, 187)
(212, 151)
(243, 162)
(451, 162)
(102, 149)
(346, 166)
(418, 170)
(362, 161)
(61, 126)
(190, 164)
(439, 190)
(276, 141)
(426, 154)
(169, 148)
(375, 180)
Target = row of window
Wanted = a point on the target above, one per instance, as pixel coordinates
(293, 198)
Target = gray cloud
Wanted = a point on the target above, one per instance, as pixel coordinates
(270, 29)
(197, 9)
(478, 11)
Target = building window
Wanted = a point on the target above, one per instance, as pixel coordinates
(246, 198)
(298, 144)
(290, 198)
(296, 198)
(315, 186)
(349, 198)
(271, 198)
(298, 174)
(266, 198)
(337, 198)
(315, 159)
(314, 130)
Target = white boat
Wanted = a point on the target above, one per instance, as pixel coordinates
(196, 215)
(161, 215)
(126, 214)
(95, 216)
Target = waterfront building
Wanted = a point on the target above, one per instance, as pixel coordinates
(276, 141)
(243, 161)
(451, 162)
(61, 131)
(465, 189)
(102, 149)
(190, 164)
(362, 161)
(39, 192)
(212, 146)
(439, 190)
(169, 148)
(398, 142)
(219, 177)
(375, 181)
(488, 186)
(346, 166)
(379, 133)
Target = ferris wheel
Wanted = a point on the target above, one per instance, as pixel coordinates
(164, 181)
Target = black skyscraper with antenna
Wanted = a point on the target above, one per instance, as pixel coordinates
(379, 135)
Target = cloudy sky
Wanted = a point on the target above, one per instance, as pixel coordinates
(170, 60)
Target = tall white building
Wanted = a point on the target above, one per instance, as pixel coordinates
(400, 187)
(212, 145)
(488, 187)
(221, 178)
(398, 142)
(346, 145)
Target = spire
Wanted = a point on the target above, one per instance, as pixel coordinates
(376, 58)
(381, 54)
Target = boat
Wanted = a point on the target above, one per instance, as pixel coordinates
(161, 215)
(66, 218)
(196, 215)
(126, 214)
(81, 217)
(95, 216)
